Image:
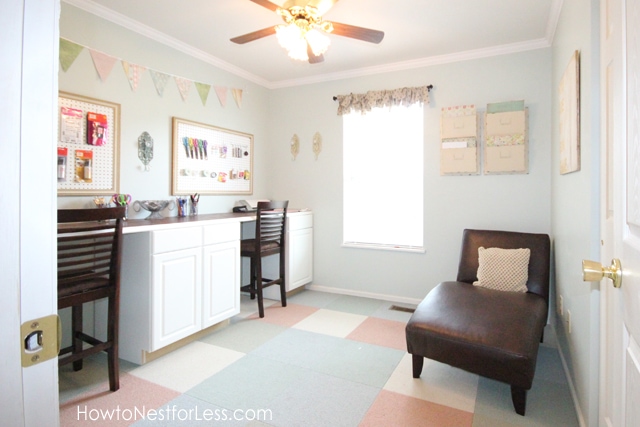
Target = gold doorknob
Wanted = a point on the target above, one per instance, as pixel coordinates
(593, 271)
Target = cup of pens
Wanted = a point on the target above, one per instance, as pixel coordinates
(194, 204)
(122, 200)
(182, 206)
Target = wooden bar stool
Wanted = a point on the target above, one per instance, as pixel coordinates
(271, 224)
(89, 257)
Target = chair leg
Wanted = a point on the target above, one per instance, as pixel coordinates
(519, 398)
(417, 362)
(283, 287)
(112, 336)
(259, 287)
(252, 280)
(76, 330)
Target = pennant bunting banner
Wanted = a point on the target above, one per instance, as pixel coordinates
(203, 91)
(160, 80)
(133, 72)
(103, 63)
(237, 95)
(183, 86)
(69, 51)
(221, 91)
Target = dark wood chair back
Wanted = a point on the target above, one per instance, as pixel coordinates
(271, 224)
(89, 249)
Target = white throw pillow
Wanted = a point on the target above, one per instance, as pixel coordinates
(503, 269)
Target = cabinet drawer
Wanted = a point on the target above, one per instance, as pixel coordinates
(299, 221)
(176, 239)
(219, 233)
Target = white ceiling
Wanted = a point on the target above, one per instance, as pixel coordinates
(417, 33)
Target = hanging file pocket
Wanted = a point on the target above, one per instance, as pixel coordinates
(505, 159)
(459, 127)
(511, 122)
(459, 161)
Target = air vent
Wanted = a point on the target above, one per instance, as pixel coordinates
(403, 309)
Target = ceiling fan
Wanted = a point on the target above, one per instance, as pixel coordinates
(303, 33)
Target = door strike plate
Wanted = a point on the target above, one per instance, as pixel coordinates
(40, 340)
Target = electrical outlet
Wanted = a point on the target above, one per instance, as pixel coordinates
(568, 320)
(560, 306)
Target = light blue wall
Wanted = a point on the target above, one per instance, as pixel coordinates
(144, 110)
(452, 203)
(575, 201)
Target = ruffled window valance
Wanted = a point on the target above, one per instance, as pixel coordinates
(363, 102)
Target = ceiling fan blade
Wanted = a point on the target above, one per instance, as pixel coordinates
(266, 3)
(246, 38)
(323, 6)
(313, 59)
(360, 33)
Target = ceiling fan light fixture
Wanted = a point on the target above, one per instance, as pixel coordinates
(291, 38)
(318, 42)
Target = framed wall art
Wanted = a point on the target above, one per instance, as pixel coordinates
(210, 160)
(88, 146)
(570, 116)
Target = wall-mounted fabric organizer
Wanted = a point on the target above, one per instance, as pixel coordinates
(459, 141)
(506, 147)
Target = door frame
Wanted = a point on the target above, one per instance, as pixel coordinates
(29, 84)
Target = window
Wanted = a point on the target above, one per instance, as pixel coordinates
(383, 178)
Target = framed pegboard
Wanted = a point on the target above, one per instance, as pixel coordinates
(210, 160)
(88, 146)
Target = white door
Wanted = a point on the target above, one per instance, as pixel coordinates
(29, 86)
(221, 282)
(620, 199)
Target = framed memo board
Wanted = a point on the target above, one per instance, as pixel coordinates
(210, 160)
(88, 146)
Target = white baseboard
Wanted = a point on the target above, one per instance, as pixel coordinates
(572, 388)
(384, 297)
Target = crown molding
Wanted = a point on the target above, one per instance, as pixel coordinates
(418, 63)
(554, 17)
(144, 30)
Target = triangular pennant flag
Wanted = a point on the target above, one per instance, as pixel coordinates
(203, 91)
(159, 80)
(183, 87)
(221, 91)
(133, 72)
(237, 95)
(103, 63)
(69, 51)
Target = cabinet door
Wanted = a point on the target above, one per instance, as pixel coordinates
(176, 296)
(221, 282)
(299, 258)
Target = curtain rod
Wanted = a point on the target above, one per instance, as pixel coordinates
(335, 98)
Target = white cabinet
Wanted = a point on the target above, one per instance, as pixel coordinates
(176, 282)
(299, 261)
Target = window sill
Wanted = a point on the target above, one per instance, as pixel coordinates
(398, 248)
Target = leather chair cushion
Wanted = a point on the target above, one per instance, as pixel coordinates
(491, 333)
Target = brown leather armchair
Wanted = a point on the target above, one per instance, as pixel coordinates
(488, 332)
